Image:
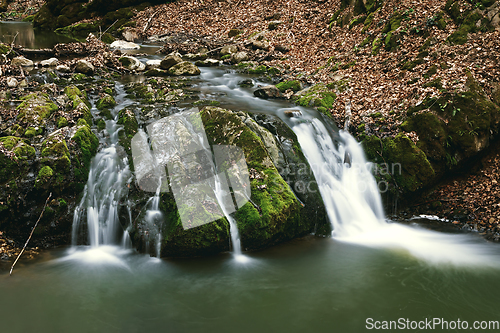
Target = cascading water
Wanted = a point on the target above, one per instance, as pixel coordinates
(105, 190)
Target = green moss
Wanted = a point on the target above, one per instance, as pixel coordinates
(357, 20)
(35, 108)
(436, 83)
(62, 122)
(9, 142)
(377, 42)
(79, 77)
(430, 72)
(224, 57)
(108, 38)
(203, 102)
(44, 176)
(24, 152)
(4, 49)
(261, 69)
(318, 95)
(106, 102)
(409, 65)
(295, 85)
(87, 142)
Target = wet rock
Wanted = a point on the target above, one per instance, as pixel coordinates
(132, 63)
(247, 83)
(21, 61)
(169, 61)
(52, 62)
(268, 92)
(150, 64)
(196, 56)
(207, 63)
(12, 82)
(106, 102)
(156, 72)
(228, 49)
(239, 57)
(184, 68)
(84, 67)
(124, 45)
(292, 113)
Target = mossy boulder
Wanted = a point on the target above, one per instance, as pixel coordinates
(295, 85)
(86, 143)
(35, 109)
(184, 68)
(319, 96)
(106, 102)
(80, 102)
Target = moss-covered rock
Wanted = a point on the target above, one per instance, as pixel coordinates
(106, 102)
(318, 95)
(35, 109)
(295, 85)
(80, 102)
(87, 144)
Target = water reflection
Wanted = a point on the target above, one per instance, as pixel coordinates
(29, 38)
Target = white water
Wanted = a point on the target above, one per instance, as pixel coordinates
(103, 195)
(154, 222)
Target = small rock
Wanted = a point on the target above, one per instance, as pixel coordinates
(52, 62)
(85, 67)
(21, 61)
(228, 49)
(282, 49)
(273, 25)
(169, 61)
(207, 63)
(124, 45)
(12, 82)
(150, 64)
(247, 83)
(234, 32)
(196, 56)
(239, 57)
(268, 92)
(63, 68)
(156, 72)
(23, 83)
(132, 63)
(260, 45)
(130, 34)
(184, 68)
(292, 113)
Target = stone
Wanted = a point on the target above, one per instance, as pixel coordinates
(132, 63)
(196, 56)
(63, 68)
(292, 113)
(274, 25)
(184, 68)
(207, 63)
(239, 57)
(12, 82)
(84, 67)
(247, 83)
(228, 49)
(130, 34)
(124, 45)
(268, 92)
(169, 61)
(156, 72)
(21, 61)
(260, 45)
(52, 62)
(150, 64)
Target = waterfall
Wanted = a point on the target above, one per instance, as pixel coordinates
(106, 188)
(154, 223)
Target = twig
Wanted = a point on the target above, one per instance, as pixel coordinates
(13, 40)
(31, 234)
(148, 23)
(108, 29)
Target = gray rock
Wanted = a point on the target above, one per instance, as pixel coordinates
(184, 68)
(85, 67)
(124, 45)
(268, 92)
(132, 63)
(21, 61)
(239, 57)
(12, 82)
(150, 64)
(63, 68)
(169, 61)
(207, 63)
(228, 49)
(130, 34)
(260, 45)
(52, 62)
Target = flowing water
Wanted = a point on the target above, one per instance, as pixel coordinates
(369, 268)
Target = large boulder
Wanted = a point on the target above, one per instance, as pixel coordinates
(270, 213)
(184, 68)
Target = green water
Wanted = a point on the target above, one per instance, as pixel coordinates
(307, 285)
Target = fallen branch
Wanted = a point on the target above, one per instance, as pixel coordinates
(148, 23)
(31, 234)
(107, 29)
